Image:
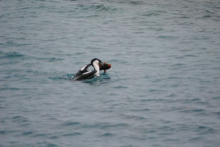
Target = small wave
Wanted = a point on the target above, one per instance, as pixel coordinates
(193, 139)
(70, 123)
(157, 100)
(102, 79)
(136, 2)
(55, 59)
(73, 134)
(120, 87)
(132, 2)
(68, 76)
(144, 109)
(79, 53)
(153, 13)
(170, 140)
(217, 113)
(51, 145)
(190, 55)
(104, 125)
(12, 43)
(168, 37)
(107, 135)
(22, 121)
(201, 38)
(4, 132)
(50, 59)
(55, 78)
(166, 128)
(133, 117)
(207, 16)
(11, 55)
(9, 88)
(178, 65)
(216, 98)
(205, 129)
(26, 133)
(97, 7)
(199, 111)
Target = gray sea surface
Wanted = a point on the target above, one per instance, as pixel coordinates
(163, 89)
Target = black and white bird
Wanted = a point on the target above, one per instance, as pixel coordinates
(83, 73)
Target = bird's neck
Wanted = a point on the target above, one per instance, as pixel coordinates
(96, 67)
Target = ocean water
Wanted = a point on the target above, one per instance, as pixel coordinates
(163, 89)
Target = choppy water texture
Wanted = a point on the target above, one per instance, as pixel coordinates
(163, 89)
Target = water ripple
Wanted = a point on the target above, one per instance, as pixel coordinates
(162, 90)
